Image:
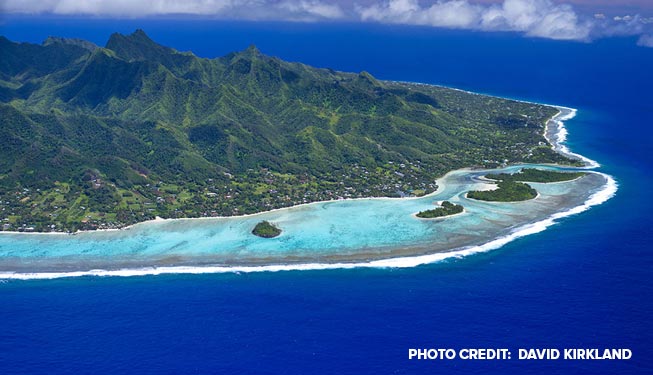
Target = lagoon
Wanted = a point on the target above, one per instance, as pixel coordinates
(349, 231)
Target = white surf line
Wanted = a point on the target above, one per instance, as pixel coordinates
(599, 197)
(560, 137)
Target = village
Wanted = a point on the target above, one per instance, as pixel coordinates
(102, 205)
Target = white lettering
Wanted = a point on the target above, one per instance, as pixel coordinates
(593, 354)
(484, 354)
(431, 353)
(539, 354)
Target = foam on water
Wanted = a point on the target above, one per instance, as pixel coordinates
(560, 137)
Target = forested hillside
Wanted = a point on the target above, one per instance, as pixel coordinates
(101, 137)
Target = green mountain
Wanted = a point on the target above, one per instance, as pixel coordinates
(105, 137)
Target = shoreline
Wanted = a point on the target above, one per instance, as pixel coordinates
(439, 217)
(483, 94)
(554, 132)
(605, 193)
(439, 188)
(400, 256)
(555, 142)
(509, 202)
(559, 136)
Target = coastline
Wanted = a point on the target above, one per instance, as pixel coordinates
(558, 136)
(555, 133)
(597, 198)
(439, 187)
(439, 217)
(510, 202)
(366, 258)
(555, 140)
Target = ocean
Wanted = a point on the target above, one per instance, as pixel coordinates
(583, 283)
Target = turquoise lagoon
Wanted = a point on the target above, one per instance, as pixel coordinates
(373, 231)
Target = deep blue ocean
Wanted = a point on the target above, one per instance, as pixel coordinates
(586, 282)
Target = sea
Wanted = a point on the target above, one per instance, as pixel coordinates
(585, 282)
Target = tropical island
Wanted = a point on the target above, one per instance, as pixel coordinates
(511, 186)
(266, 229)
(105, 137)
(536, 175)
(507, 191)
(446, 209)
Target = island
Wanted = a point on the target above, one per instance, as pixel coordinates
(266, 229)
(507, 191)
(536, 175)
(105, 137)
(446, 209)
(511, 186)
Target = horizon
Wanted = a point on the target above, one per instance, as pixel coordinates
(568, 20)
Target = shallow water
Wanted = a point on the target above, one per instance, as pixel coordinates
(346, 230)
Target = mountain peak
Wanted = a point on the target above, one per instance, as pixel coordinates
(252, 51)
(137, 46)
(70, 41)
(368, 79)
(139, 34)
(138, 37)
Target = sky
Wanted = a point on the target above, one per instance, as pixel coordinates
(576, 20)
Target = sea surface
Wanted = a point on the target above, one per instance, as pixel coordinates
(583, 283)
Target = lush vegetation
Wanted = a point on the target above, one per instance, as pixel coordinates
(102, 137)
(446, 209)
(508, 191)
(266, 229)
(511, 187)
(536, 175)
